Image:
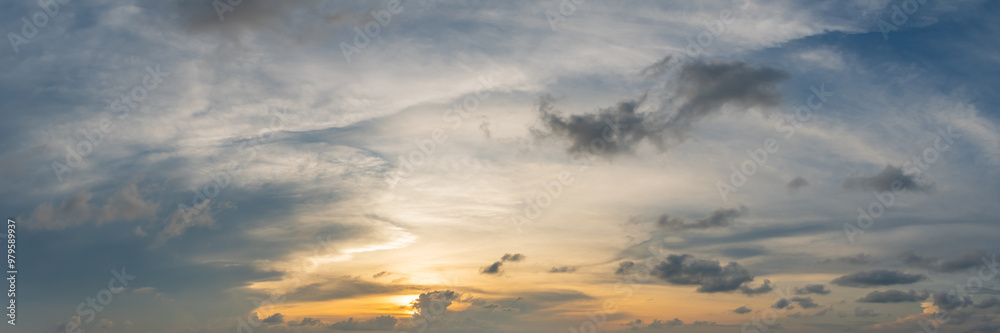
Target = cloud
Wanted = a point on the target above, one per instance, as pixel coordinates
(306, 322)
(742, 310)
(878, 277)
(858, 259)
(894, 296)
(804, 302)
(950, 301)
(663, 324)
(276, 318)
(704, 87)
(865, 312)
(824, 311)
(781, 303)
(428, 304)
(127, 205)
(708, 275)
(380, 274)
(966, 260)
(380, 323)
(719, 218)
(890, 178)
(72, 211)
(495, 267)
(764, 288)
(563, 269)
(512, 257)
(818, 289)
(796, 183)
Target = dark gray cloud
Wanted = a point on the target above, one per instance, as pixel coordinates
(380, 323)
(764, 288)
(818, 289)
(719, 218)
(276, 318)
(865, 312)
(781, 303)
(894, 296)
(966, 260)
(704, 87)
(877, 277)
(858, 259)
(708, 275)
(306, 322)
(426, 303)
(889, 178)
(988, 303)
(512, 257)
(563, 269)
(663, 324)
(796, 184)
(950, 301)
(493, 268)
(804, 302)
(496, 267)
(742, 310)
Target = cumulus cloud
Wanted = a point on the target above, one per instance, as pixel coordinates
(877, 277)
(307, 321)
(858, 259)
(719, 218)
(894, 296)
(966, 260)
(865, 312)
(495, 267)
(796, 183)
(512, 257)
(127, 205)
(804, 302)
(764, 288)
(563, 269)
(950, 301)
(708, 275)
(818, 289)
(742, 310)
(892, 177)
(781, 303)
(428, 303)
(704, 87)
(380, 323)
(276, 318)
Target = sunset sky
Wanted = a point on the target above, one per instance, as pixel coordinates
(502, 166)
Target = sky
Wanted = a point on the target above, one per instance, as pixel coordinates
(501, 166)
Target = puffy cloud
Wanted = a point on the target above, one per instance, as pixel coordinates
(563, 269)
(865, 312)
(307, 321)
(877, 277)
(781, 303)
(804, 302)
(742, 310)
(704, 88)
(858, 259)
(889, 178)
(493, 268)
(72, 211)
(719, 218)
(818, 289)
(708, 275)
(796, 183)
(512, 257)
(966, 260)
(894, 296)
(380, 323)
(950, 301)
(276, 318)
(428, 303)
(764, 288)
